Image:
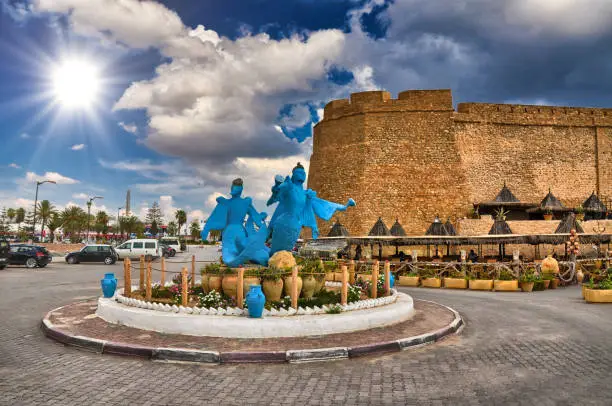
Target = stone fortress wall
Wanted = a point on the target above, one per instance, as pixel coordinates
(414, 157)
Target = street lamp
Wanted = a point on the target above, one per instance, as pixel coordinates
(38, 183)
(118, 220)
(89, 212)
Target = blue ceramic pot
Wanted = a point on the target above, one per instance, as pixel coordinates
(109, 284)
(255, 301)
(392, 279)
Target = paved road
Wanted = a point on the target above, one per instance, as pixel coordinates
(547, 348)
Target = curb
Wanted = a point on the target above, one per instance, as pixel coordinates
(213, 357)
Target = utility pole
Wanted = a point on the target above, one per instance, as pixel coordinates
(89, 213)
(38, 183)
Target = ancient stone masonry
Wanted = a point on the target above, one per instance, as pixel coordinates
(414, 157)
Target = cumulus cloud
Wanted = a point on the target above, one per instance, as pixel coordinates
(80, 196)
(130, 128)
(54, 176)
(14, 165)
(25, 136)
(77, 147)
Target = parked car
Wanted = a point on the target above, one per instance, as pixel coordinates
(29, 255)
(94, 253)
(136, 248)
(5, 248)
(167, 251)
(172, 242)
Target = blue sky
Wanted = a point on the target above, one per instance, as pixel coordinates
(195, 93)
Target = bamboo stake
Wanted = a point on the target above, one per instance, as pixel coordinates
(162, 279)
(148, 282)
(192, 271)
(294, 288)
(184, 291)
(142, 273)
(127, 277)
(374, 291)
(344, 294)
(240, 287)
(352, 272)
(387, 278)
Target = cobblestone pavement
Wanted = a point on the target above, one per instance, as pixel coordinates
(544, 348)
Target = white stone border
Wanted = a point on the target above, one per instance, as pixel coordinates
(235, 311)
(185, 321)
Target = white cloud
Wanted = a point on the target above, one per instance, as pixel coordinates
(80, 196)
(54, 176)
(25, 136)
(14, 165)
(196, 215)
(130, 128)
(77, 147)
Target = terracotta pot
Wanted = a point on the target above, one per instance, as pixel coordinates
(554, 283)
(598, 295)
(455, 283)
(548, 217)
(230, 285)
(505, 286)
(579, 276)
(205, 277)
(546, 283)
(580, 217)
(273, 290)
(309, 286)
(481, 284)
(526, 286)
(431, 282)
(409, 280)
(214, 283)
(247, 281)
(288, 285)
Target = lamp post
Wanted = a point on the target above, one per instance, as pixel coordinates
(38, 183)
(89, 213)
(118, 220)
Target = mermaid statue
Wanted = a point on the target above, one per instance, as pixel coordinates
(297, 208)
(241, 243)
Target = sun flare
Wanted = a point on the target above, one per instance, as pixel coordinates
(76, 83)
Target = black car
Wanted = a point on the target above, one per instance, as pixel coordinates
(167, 251)
(29, 255)
(5, 248)
(94, 253)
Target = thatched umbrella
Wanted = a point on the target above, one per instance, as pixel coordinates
(505, 199)
(500, 227)
(568, 223)
(450, 229)
(594, 207)
(436, 228)
(397, 231)
(338, 230)
(379, 229)
(550, 203)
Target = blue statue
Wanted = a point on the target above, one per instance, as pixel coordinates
(296, 209)
(240, 244)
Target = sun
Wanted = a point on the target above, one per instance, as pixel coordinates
(76, 83)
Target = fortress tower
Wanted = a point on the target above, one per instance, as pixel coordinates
(414, 157)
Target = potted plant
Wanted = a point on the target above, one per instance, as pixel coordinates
(456, 279)
(580, 213)
(547, 279)
(429, 277)
(310, 268)
(599, 290)
(251, 277)
(214, 277)
(527, 280)
(548, 214)
(480, 278)
(409, 279)
(505, 281)
(272, 284)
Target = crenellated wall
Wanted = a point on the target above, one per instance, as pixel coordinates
(414, 157)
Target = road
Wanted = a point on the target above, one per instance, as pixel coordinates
(543, 348)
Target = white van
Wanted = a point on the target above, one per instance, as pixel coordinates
(135, 248)
(171, 242)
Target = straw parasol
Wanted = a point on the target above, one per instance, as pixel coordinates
(397, 231)
(378, 230)
(450, 228)
(500, 227)
(568, 223)
(594, 206)
(338, 230)
(436, 228)
(505, 199)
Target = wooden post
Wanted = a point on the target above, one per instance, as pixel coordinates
(127, 277)
(162, 279)
(240, 287)
(192, 271)
(374, 292)
(344, 292)
(352, 272)
(142, 273)
(294, 287)
(387, 278)
(148, 282)
(184, 291)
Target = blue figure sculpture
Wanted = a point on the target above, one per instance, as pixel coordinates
(296, 209)
(240, 244)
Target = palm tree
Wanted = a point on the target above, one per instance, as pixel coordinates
(10, 213)
(45, 209)
(74, 220)
(55, 222)
(131, 224)
(181, 218)
(101, 222)
(194, 229)
(171, 228)
(20, 214)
